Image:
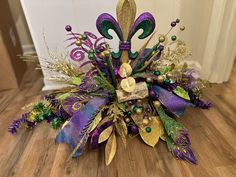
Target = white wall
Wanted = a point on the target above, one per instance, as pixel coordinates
(51, 16)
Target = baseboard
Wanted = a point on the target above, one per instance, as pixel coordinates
(28, 49)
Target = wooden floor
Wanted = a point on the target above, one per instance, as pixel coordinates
(34, 153)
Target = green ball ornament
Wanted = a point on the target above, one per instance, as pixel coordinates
(173, 38)
(129, 113)
(148, 129)
(91, 56)
(84, 36)
(98, 51)
(157, 73)
(135, 109)
(91, 51)
(167, 81)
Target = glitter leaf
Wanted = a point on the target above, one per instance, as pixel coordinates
(110, 149)
(105, 134)
(179, 91)
(151, 138)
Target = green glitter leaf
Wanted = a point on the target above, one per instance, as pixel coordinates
(179, 91)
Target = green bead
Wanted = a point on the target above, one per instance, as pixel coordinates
(91, 56)
(98, 51)
(91, 51)
(135, 109)
(56, 123)
(84, 36)
(157, 73)
(173, 38)
(167, 81)
(148, 85)
(177, 20)
(129, 113)
(148, 129)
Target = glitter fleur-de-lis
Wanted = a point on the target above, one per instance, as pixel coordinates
(125, 27)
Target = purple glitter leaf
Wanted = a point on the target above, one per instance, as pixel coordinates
(184, 153)
(17, 123)
(105, 22)
(91, 35)
(77, 54)
(198, 102)
(85, 63)
(146, 22)
(87, 85)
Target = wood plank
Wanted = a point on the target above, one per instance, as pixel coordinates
(34, 153)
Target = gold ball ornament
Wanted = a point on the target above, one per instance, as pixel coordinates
(139, 101)
(160, 79)
(107, 53)
(145, 122)
(156, 104)
(150, 118)
(80, 37)
(78, 42)
(182, 28)
(162, 38)
(128, 84)
(139, 111)
(127, 120)
(149, 80)
(169, 75)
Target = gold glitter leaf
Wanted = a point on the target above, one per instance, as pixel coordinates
(96, 121)
(110, 149)
(122, 130)
(151, 138)
(105, 134)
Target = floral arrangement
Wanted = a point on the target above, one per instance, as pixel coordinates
(122, 93)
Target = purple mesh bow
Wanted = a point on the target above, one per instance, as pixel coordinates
(172, 102)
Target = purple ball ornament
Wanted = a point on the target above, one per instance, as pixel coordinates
(161, 47)
(152, 93)
(134, 129)
(148, 110)
(102, 48)
(173, 24)
(68, 28)
(156, 97)
(131, 102)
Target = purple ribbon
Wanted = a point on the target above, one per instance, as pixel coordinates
(172, 102)
(73, 132)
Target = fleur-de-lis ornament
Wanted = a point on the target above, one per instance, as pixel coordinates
(125, 27)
